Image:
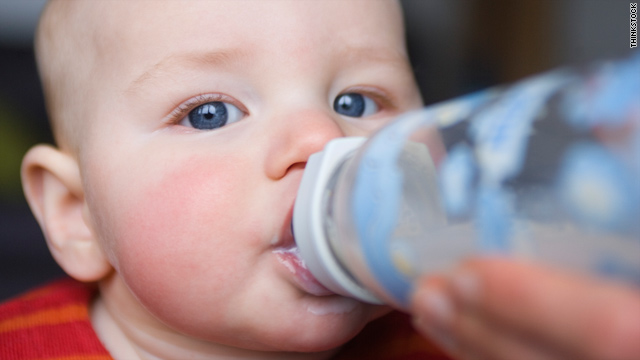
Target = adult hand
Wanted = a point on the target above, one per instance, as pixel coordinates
(504, 309)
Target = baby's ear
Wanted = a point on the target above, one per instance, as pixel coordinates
(53, 187)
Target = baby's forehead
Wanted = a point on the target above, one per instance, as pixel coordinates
(133, 36)
(129, 29)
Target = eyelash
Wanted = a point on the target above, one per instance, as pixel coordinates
(387, 104)
(183, 109)
(384, 101)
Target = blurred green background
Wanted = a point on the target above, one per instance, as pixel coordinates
(456, 46)
(24, 258)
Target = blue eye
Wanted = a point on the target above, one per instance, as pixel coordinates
(212, 115)
(354, 105)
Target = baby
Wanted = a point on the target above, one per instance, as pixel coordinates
(183, 129)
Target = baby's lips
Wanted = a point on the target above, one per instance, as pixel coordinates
(290, 258)
(288, 254)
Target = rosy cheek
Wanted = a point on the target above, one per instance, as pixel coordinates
(181, 230)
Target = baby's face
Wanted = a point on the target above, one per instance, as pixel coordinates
(203, 115)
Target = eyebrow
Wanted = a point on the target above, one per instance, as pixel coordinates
(171, 63)
(226, 57)
(365, 53)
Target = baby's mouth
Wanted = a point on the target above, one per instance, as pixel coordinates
(288, 254)
(290, 258)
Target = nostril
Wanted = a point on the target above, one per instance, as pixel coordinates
(296, 166)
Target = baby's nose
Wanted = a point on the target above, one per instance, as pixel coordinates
(300, 134)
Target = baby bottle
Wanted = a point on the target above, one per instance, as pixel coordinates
(546, 169)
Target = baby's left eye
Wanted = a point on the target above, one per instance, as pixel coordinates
(354, 105)
(212, 115)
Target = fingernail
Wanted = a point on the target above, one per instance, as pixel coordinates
(466, 284)
(435, 305)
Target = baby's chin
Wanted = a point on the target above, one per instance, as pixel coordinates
(321, 324)
(329, 323)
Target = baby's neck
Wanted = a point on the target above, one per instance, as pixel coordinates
(129, 336)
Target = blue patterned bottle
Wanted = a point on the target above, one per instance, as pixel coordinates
(546, 169)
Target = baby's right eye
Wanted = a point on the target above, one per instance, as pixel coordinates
(212, 115)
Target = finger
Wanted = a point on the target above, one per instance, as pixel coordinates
(589, 318)
(433, 312)
(477, 338)
(463, 336)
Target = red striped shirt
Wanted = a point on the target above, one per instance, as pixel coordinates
(52, 323)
